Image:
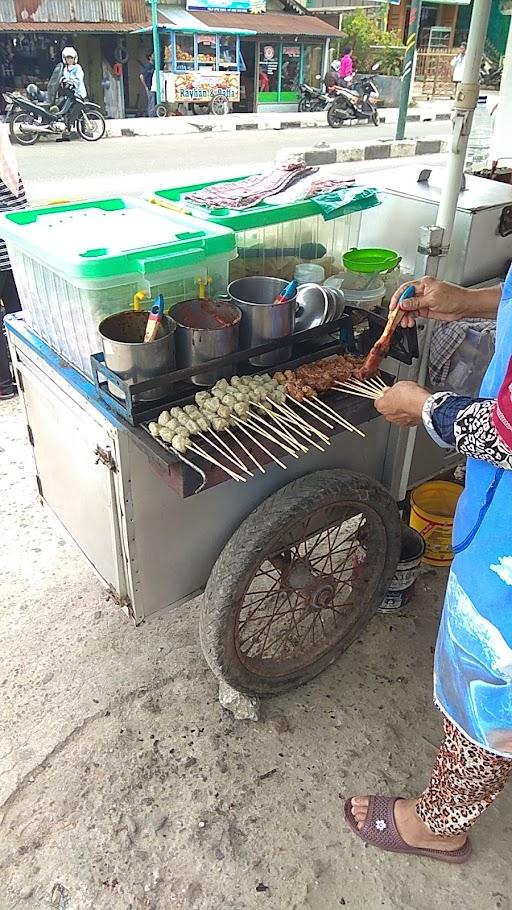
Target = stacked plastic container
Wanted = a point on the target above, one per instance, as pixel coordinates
(75, 264)
(272, 239)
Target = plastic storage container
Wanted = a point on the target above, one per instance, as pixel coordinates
(76, 264)
(273, 239)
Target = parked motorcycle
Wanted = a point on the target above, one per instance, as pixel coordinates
(311, 99)
(357, 101)
(31, 116)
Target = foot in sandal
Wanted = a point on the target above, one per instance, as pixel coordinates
(392, 824)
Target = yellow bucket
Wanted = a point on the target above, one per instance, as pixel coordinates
(432, 509)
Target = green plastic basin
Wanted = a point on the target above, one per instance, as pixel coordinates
(370, 260)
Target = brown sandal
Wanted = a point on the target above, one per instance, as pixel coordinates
(379, 830)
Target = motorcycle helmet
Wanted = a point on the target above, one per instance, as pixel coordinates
(32, 92)
(335, 65)
(69, 52)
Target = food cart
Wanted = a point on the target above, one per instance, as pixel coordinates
(295, 556)
(201, 70)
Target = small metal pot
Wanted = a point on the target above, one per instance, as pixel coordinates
(122, 337)
(262, 319)
(206, 329)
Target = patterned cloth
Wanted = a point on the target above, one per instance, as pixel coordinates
(446, 339)
(473, 660)
(244, 194)
(465, 781)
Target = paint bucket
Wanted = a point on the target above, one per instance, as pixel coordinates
(402, 584)
(433, 506)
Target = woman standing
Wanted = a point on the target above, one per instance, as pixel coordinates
(473, 661)
(12, 197)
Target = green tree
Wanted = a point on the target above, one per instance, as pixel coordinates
(372, 45)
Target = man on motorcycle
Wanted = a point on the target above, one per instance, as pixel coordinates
(67, 71)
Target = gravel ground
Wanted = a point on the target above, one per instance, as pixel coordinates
(125, 786)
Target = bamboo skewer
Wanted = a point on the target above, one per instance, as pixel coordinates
(301, 431)
(280, 430)
(279, 422)
(311, 413)
(353, 392)
(230, 451)
(199, 451)
(244, 449)
(296, 418)
(221, 451)
(326, 409)
(274, 439)
(258, 443)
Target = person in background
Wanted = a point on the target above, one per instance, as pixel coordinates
(457, 66)
(346, 64)
(69, 69)
(473, 657)
(146, 78)
(12, 197)
(264, 81)
(331, 78)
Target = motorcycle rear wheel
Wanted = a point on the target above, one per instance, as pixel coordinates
(336, 115)
(304, 106)
(91, 126)
(375, 119)
(23, 138)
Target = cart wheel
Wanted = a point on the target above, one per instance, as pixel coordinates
(299, 580)
(161, 110)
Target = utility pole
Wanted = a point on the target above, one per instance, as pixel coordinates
(156, 50)
(410, 51)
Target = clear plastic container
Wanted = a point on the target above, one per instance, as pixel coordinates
(365, 300)
(479, 142)
(76, 264)
(273, 239)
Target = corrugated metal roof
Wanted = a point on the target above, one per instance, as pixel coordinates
(65, 11)
(272, 24)
(71, 28)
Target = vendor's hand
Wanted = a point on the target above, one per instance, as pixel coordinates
(403, 404)
(433, 299)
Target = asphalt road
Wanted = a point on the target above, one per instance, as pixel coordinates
(136, 164)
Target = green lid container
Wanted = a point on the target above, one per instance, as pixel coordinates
(370, 260)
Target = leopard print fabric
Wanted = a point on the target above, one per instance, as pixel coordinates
(466, 779)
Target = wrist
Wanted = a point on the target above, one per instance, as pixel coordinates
(480, 302)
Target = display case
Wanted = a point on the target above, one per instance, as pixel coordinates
(199, 66)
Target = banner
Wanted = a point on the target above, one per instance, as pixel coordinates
(201, 87)
(227, 6)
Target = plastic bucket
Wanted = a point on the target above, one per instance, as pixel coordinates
(433, 506)
(402, 584)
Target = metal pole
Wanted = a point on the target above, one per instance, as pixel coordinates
(156, 50)
(435, 242)
(410, 52)
(500, 145)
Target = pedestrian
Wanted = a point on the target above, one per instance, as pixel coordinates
(473, 658)
(457, 66)
(12, 197)
(346, 64)
(146, 78)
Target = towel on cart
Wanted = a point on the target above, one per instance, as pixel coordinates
(244, 194)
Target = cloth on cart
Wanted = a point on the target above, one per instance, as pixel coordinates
(244, 194)
(447, 338)
(309, 186)
(346, 201)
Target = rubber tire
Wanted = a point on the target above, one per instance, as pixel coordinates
(95, 115)
(334, 123)
(200, 110)
(14, 135)
(375, 119)
(161, 111)
(304, 106)
(243, 553)
(221, 100)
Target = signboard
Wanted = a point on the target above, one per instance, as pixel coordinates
(227, 6)
(200, 88)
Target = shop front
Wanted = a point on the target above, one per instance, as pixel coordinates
(283, 66)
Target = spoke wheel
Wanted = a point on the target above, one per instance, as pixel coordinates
(91, 126)
(23, 136)
(299, 580)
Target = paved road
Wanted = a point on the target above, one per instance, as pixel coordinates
(132, 165)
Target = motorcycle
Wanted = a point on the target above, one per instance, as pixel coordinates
(357, 101)
(311, 99)
(31, 117)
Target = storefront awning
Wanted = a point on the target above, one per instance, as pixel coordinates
(287, 24)
(70, 28)
(175, 19)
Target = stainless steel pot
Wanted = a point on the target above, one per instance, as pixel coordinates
(262, 319)
(122, 337)
(206, 329)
